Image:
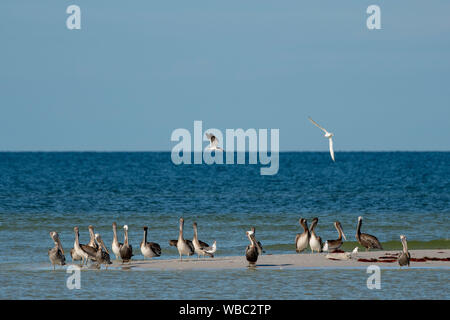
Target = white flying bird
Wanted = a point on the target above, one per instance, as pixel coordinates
(328, 135)
(213, 142)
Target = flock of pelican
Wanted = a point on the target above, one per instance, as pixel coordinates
(96, 250)
(309, 237)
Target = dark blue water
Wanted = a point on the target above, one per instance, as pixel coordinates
(396, 193)
(308, 183)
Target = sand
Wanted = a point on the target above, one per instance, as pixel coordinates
(286, 261)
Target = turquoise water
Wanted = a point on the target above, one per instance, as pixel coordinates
(396, 193)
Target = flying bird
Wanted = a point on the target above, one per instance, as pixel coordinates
(328, 135)
(213, 142)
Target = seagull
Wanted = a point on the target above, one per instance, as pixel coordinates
(328, 135)
(213, 145)
(342, 255)
(211, 249)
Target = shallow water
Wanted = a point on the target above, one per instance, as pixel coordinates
(396, 193)
(412, 283)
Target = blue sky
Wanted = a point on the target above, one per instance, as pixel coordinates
(138, 70)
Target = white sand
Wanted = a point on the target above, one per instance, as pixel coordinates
(284, 261)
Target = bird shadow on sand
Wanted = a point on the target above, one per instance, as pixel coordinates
(273, 265)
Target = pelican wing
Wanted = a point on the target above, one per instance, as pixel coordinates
(203, 244)
(156, 248)
(317, 125)
(209, 135)
(296, 239)
(260, 246)
(331, 148)
(92, 253)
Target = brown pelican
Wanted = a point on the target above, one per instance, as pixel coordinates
(198, 248)
(56, 254)
(251, 252)
(126, 250)
(332, 245)
(102, 257)
(404, 257)
(116, 244)
(302, 240)
(366, 240)
(84, 251)
(92, 244)
(315, 242)
(182, 246)
(258, 244)
(149, 249)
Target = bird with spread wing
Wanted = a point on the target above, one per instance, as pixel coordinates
(213, 142)
(328, 135)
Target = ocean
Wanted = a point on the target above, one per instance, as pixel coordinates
(395, 192)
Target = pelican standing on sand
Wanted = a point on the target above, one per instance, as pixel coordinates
(182, 246)
(173, 243)
(404, 257)
(302, 240)
(315, 242)
(116, 244)
(366, 240)
(92, 244)
(198, 248)
(102, 257)
(149, 249)
(56, 254)
(332, 245)
(213, 142)
(258, 244)
(84, 251)
(126, 250)
(251, 252)
(328, 135)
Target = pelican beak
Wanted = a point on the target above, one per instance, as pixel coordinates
(343, 234)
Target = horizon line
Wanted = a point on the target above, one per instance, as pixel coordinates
(169, 151)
